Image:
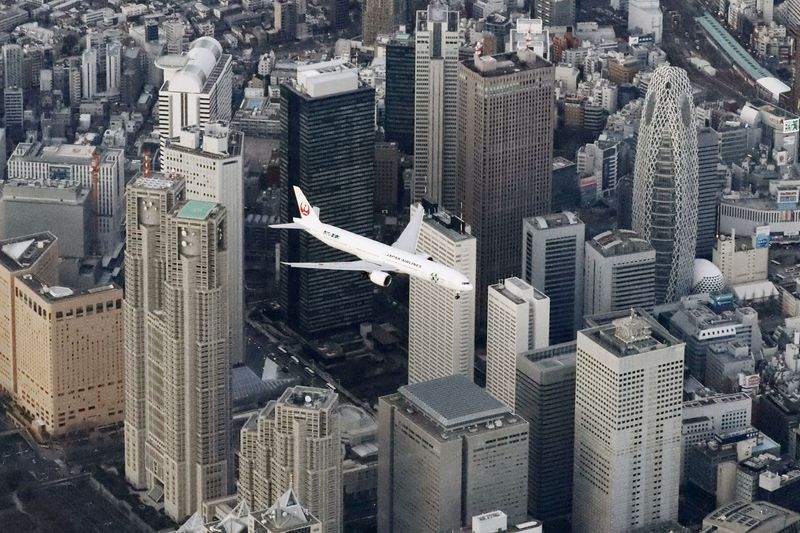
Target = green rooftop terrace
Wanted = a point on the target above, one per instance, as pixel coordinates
(196, 209)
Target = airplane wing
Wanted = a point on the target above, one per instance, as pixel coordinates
(408, 239)
(357, 266)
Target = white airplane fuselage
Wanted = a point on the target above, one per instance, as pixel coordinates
(414, 265)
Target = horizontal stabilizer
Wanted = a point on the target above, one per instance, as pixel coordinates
(357, 266)
(290, 225)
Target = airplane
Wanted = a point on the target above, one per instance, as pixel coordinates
(376, 260)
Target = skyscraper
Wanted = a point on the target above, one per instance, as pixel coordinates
(197, 88)
(399, 100)
(552, 261)
(709, 189)
(13, 65)
(113, 67)
(88, 74)
(546, 399)
(177, 346)
(628, 398)
(210, 160)
(438, 39)
(377, 19)
(505, 104)
(518, 321)
(555, 12)
(441, 329)
(326, 111)
(75, 81)
(295, 442)
(447, 452)
(619, 273)
(14, 109)
(665, 186)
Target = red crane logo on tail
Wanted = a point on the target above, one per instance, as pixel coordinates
(305, 209)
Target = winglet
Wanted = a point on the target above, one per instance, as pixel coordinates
(408, 239)
(307, 211)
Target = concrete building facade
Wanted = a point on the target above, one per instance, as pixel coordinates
(441, 329)
(68, 345)
(35, 162)
(503, 100)
(448, 451)
(518, 321)
(63, 208)
(177, 346)
(619, 272)
(546, 399)
(42, 261)
(295, 442)
(210, 161)
(552, 261)
(60, 349)
(741, 259)
(378, 19)
(437, 42)
(628, 399)
(197, 88)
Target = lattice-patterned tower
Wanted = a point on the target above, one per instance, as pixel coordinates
(665, 181)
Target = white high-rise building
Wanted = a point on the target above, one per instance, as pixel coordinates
(438, 39)
(645, 16)
(113, 67)
(74, 162)
(13, 65)
(88, 74)
(295, 442)
(518, 321)
(177, 347)
(628, 401)
(197, 88)
(619, 272)
(441, 328)
(210, 160)
(665, 182)
(174, 31)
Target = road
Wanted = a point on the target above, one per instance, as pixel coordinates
(264, 341)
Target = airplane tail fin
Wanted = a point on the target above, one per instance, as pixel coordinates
(408, 239)
(307, 211)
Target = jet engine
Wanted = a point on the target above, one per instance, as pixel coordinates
(380, 278)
